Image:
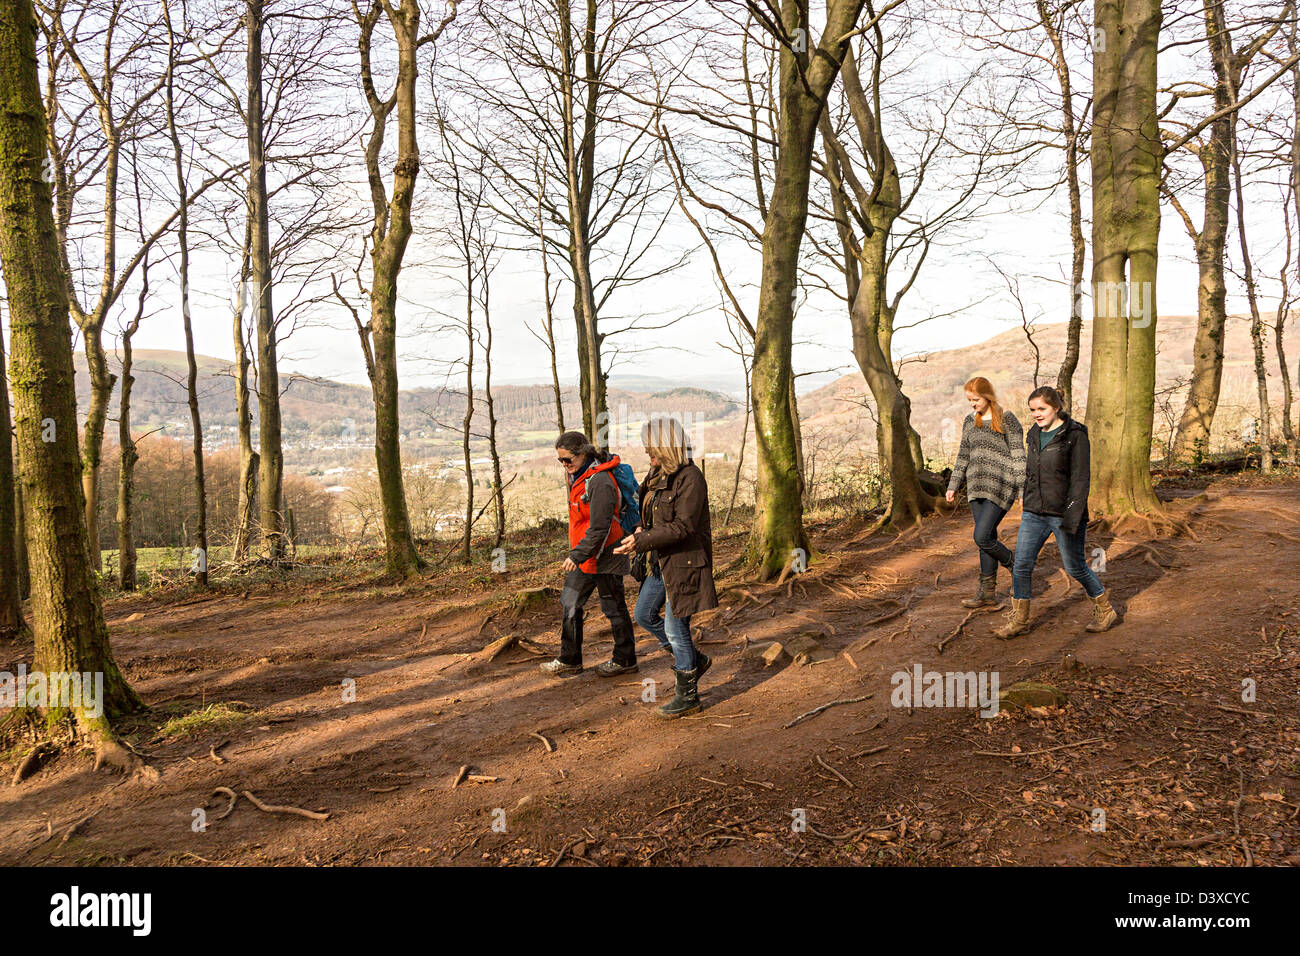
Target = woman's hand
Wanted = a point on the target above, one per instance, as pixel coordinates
(568, 565)
(951, 496)
(627, 545)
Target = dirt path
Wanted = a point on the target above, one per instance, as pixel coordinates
(1153, 734)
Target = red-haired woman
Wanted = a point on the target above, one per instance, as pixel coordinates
(991, 461)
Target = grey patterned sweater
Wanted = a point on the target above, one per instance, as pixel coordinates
(992, 465)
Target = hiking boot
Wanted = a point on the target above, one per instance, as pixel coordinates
(557, 668)
(702, 663)
(687, 699)
(1017, 620)
(987, 593)
(612, 668)
(1103, 615)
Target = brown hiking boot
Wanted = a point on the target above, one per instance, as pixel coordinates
(987, 593)
(1017, 620)
(1104, 616)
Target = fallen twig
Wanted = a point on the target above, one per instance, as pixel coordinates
(817, 710)
(1030, 753)
(550, 747)
(846, 780)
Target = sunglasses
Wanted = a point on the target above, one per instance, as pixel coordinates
(564, 461)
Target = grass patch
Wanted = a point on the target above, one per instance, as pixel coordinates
(214, 717)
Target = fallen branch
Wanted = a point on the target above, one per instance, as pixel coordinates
(817, 710)
(846, 780)
(1030, 753)
(1194, 844)
(550, 747)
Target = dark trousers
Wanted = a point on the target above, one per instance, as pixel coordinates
(578, 586)
(992, 551)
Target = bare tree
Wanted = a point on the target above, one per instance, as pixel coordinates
(584, 86)
(1215, 160)
(183, 239)
(68, 618)
(389, 234)
(117, 92)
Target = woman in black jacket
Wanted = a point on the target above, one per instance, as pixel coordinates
(1055, 503)
(675, 542)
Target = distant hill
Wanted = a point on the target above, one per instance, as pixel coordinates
(319, 411)
(325, 421)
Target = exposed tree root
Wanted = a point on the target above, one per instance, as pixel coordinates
(1161, 525)
(33, 761)
(230, 807)
(296, 811)
(112, 753)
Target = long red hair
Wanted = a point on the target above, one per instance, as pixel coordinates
(982, 387)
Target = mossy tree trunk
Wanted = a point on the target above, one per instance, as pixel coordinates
(874, 205)
(1192, 438)
(249, 460)
(270, 477)
(200, 565)
(389, 235)
(126, 560)
(1126, 167)
(67, 617)
(806, 76)
(11, 611)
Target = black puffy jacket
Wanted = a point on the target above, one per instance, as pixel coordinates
(1056, 477)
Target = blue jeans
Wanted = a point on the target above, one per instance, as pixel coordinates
(1034, 532)
(674, 633)
(992, 551)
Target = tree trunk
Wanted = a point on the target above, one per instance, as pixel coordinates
(20, 534)
(1126, 167)
(498, 490)
(579, 156)
(804, 83)
(389, 235)
(1256, 323)
(126, 560)
(908, 501)
(101, 391)
(271, 460)
(550, 317)
(1192, 440)
(183, 238)
(469, 408)
(11, 610)
(1078, 247)
(249, 460)
(68, 620)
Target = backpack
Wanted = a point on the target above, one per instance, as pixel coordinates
(629, 510)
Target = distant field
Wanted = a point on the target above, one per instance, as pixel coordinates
(173, 559)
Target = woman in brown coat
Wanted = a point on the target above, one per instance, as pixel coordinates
(675, 544)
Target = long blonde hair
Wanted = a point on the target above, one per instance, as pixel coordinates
(667, 441)
(982, 387)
